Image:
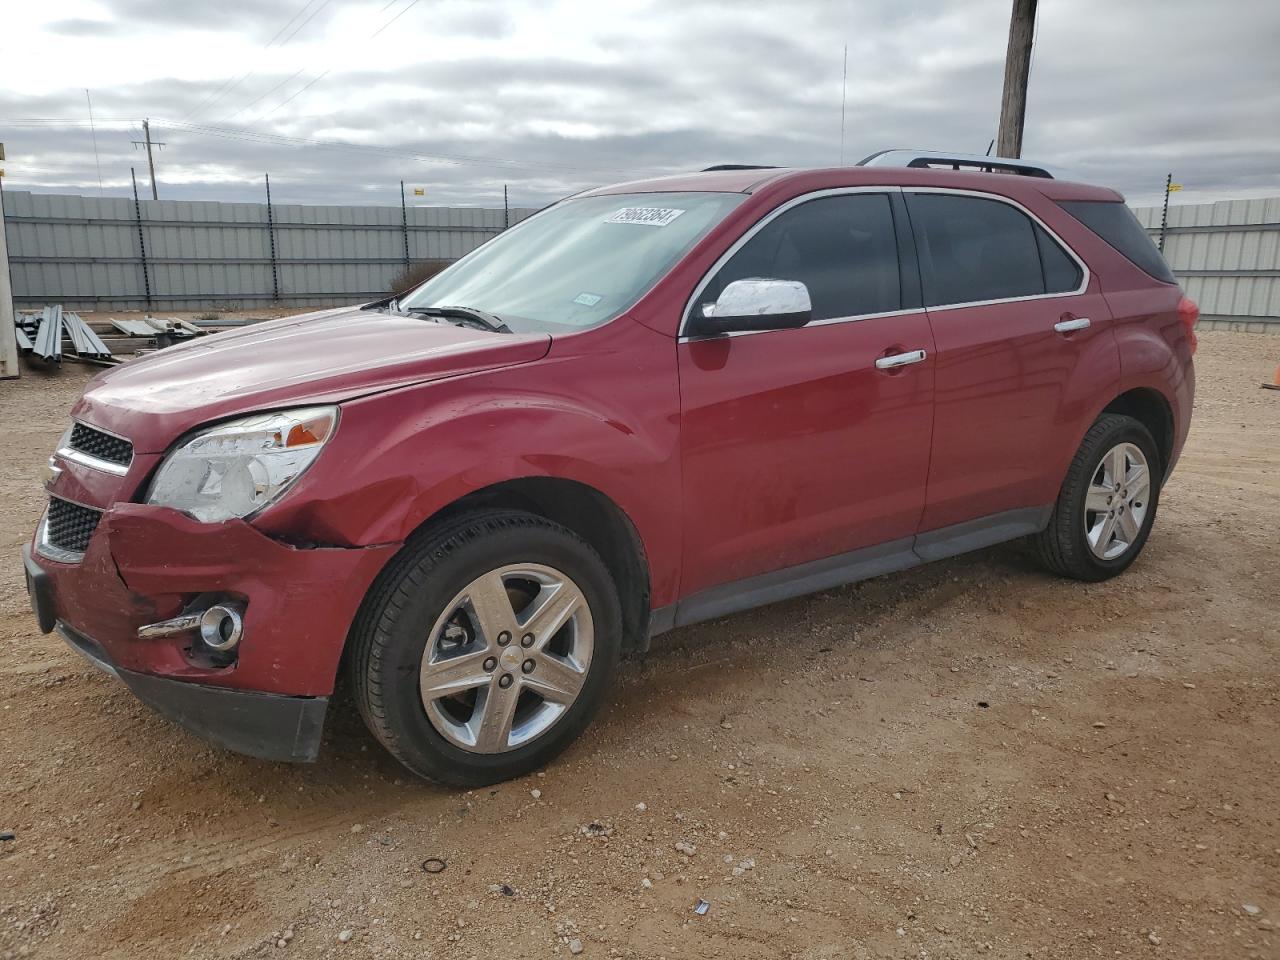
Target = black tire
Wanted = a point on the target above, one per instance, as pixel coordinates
(1063, 547)
(390, 635)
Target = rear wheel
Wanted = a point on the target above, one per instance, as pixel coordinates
(486, 647)
(1107, 504)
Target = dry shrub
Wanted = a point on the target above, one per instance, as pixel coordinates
(417, 272)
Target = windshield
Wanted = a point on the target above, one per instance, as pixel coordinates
(577, 264)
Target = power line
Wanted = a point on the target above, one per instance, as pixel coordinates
(262, 96)
(93, 131)
(412, 4)
(303, 89)
(279, 139)
(289, 22)
(229, 86)
(305, 22)
(311, 83)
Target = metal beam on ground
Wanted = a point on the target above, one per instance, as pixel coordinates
(49, 337)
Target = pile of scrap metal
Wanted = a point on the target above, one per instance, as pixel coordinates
(162, 331)
(43, 335)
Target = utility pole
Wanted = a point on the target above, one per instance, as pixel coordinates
(1017, 65)
(151, 163)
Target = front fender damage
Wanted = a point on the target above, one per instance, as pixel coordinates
(299, 601)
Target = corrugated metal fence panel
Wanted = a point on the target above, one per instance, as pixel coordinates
(84, 252)
(1226, 255)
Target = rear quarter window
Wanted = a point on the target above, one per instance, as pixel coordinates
(1115, 223)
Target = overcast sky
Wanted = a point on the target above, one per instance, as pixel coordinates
(459, 98)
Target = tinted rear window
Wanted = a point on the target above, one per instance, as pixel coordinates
(973, 249)
(1116, 224)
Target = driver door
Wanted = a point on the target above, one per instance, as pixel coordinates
(796, 446)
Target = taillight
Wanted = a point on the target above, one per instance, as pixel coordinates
(1189, 313)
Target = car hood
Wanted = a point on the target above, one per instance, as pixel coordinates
(323, 357)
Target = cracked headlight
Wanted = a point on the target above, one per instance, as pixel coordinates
(236, 468)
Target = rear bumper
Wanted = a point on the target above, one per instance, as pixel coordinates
(265, 725)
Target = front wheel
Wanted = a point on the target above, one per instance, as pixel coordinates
(1108, 502)
(486, 647)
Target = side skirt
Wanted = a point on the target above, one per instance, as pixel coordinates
(849, 567)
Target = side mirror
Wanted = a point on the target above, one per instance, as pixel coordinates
(754, 304)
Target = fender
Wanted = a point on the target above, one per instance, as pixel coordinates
(604, 418)
(1154, 355)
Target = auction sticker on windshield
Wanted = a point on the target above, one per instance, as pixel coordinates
(648, 216)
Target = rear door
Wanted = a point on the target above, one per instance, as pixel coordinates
(1024, 349)
(795, 445)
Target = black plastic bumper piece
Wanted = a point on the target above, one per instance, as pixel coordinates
(264, 725)
(269, 726)
(40, 590)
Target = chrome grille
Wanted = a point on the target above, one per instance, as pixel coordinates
(102, 446)
(68, 526)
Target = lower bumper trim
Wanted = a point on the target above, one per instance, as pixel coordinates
(269, 726)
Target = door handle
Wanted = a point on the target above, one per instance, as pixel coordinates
(900, 359)
(1067, 326)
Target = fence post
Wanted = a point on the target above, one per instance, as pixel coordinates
(404, 226)
(142, 240)
(1164, 217)
(8, 339)
(506, 210)
(271, 234)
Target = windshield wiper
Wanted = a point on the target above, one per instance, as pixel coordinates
(486, 321)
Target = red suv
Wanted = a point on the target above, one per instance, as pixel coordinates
(648, 405)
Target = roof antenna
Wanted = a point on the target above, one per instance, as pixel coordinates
(991, 146)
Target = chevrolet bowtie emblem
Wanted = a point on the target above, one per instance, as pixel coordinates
(50, 473)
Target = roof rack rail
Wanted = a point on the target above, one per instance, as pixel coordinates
(934, 159)
(737, 166)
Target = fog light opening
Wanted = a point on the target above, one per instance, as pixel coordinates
(221, 627)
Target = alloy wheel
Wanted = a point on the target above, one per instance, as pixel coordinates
(1117, 501)
(507, 658)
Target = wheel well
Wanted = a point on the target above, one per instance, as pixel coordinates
(592, 516)
(1152, 411)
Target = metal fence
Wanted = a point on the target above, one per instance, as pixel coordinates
(106, 253)
(1227, 257)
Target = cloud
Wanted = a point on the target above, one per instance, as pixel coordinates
(81, 27)
(553, 96)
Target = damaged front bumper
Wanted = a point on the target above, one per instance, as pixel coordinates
(145, 564)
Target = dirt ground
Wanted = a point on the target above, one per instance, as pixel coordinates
(972, 759)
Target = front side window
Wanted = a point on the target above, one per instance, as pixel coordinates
(578, 264)
(973, 249)
(842, 248)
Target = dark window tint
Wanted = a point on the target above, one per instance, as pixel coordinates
(842, 248)
(1061, 273)
(973, 249)
(1116, 224)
